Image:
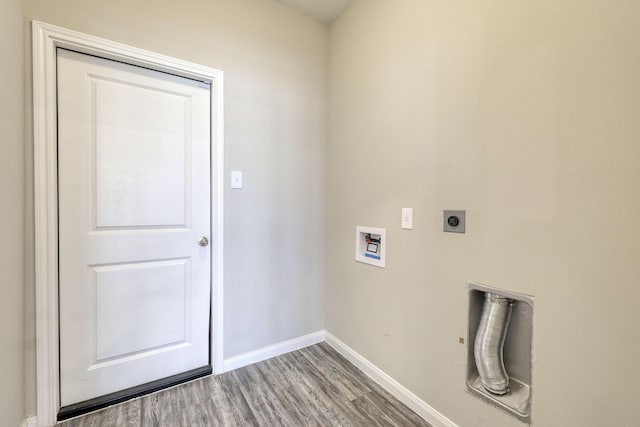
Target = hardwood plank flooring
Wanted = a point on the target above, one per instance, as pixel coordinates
(314, 386)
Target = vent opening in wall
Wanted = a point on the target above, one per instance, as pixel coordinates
(499, 349)
(371, 245)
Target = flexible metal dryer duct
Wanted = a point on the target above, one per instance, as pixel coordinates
(496, 313)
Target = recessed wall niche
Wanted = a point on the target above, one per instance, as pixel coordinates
(516, 351)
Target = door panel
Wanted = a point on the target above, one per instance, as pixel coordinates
(130, 192)
(123, 326)
(134, 198)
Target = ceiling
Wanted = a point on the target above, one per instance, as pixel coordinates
(321, 10)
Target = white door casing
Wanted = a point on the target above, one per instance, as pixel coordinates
(134, 199)
(46, 39)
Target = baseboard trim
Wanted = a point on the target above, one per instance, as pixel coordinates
(30, 422)
(274, 350)
(419, 406)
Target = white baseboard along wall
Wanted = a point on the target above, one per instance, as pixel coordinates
(30, 422)
(401, 393)
(274, 350)
(419, 406)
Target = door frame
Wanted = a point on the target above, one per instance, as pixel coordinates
(46, 39)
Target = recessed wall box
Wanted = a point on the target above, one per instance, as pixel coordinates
(516, 352)
(370, 245)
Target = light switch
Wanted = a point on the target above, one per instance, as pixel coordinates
(236, 179)
(407, 218)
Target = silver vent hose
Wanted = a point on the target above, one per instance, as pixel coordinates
(489, 345)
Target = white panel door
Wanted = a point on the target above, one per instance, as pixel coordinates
(134, 201)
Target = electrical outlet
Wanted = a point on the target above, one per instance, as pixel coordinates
(454, 222)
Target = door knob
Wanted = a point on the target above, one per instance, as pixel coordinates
(203, 241)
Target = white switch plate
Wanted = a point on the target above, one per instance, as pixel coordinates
(407, 218)
(236, 179)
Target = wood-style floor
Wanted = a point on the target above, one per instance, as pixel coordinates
(314, 386)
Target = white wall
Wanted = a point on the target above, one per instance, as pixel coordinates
(526, 115)
(523, 114)
(275, 64)
(12, 214)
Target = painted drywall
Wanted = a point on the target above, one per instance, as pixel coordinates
(526, 115)
(12, 214)
(275, 64)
